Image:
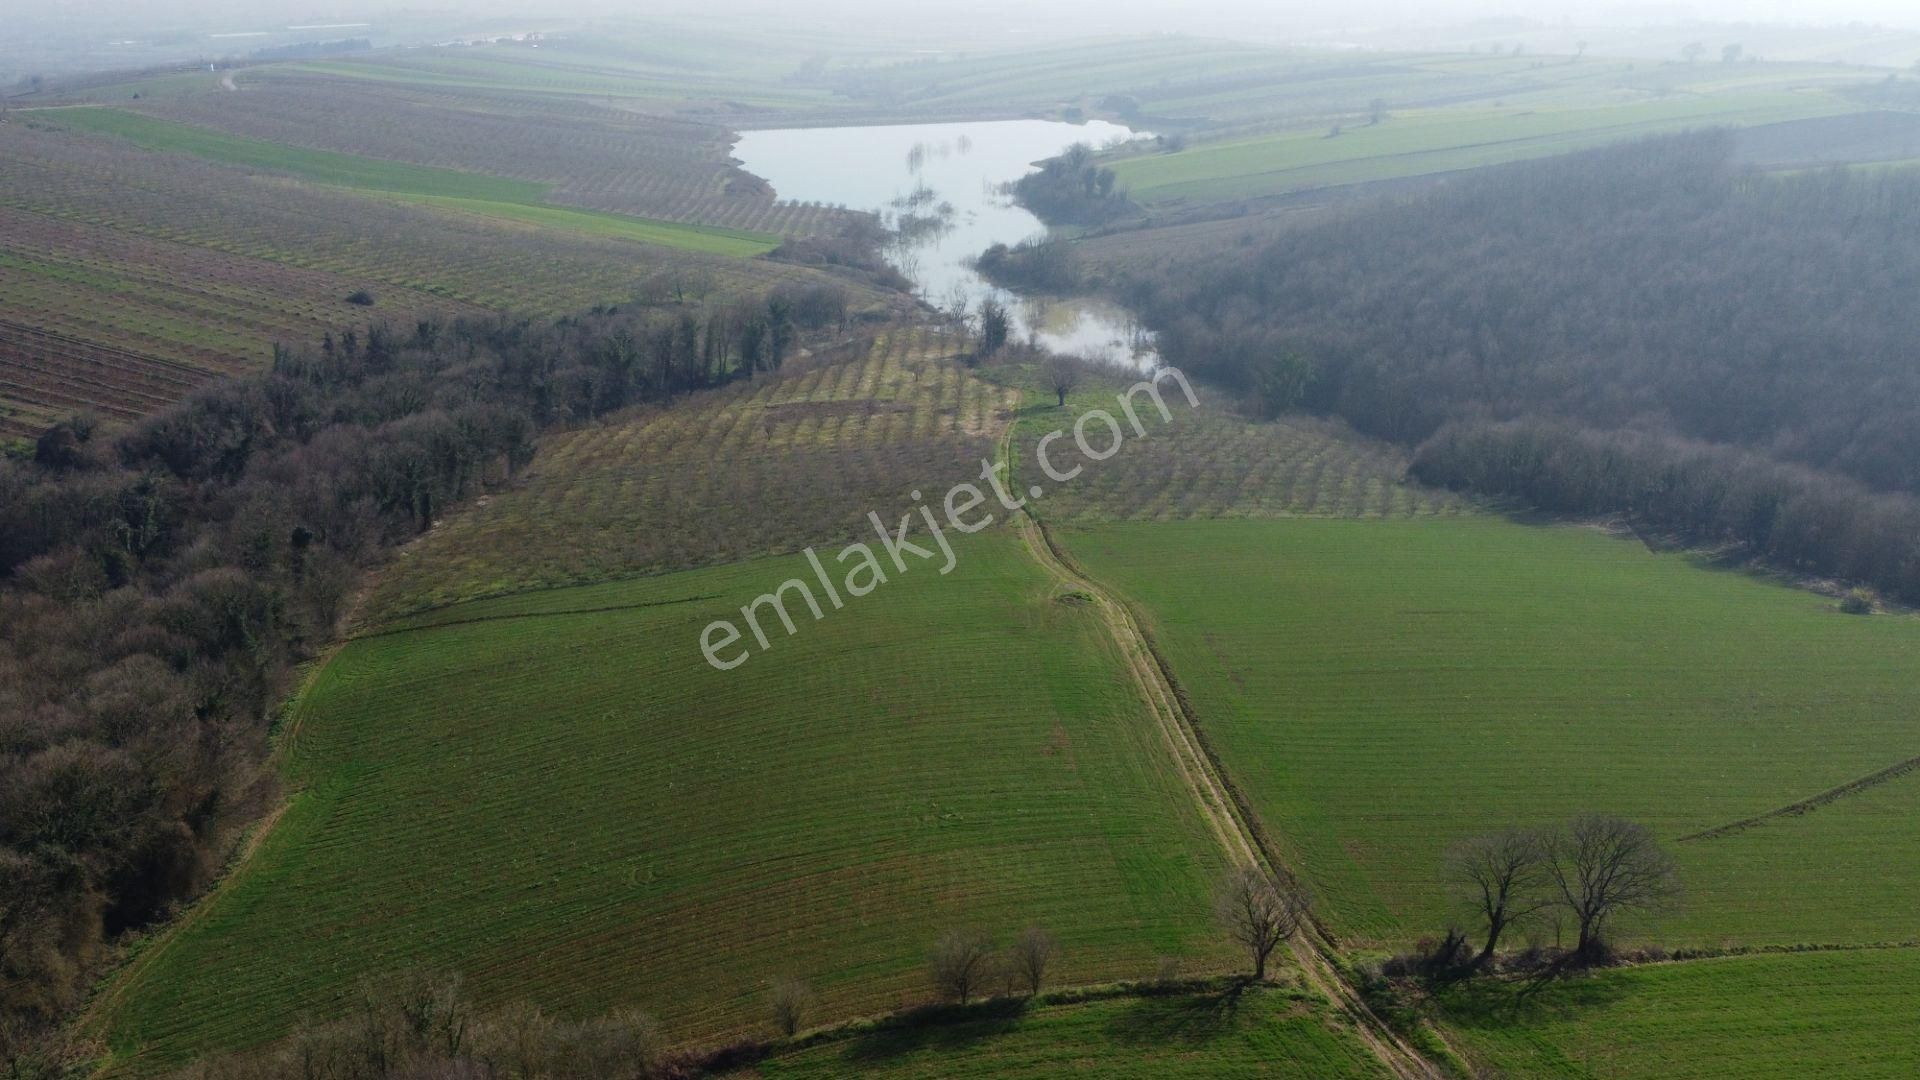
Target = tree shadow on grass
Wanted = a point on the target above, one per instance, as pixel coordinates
(939, 1029)
(1510, 1003)
(1188, 1018)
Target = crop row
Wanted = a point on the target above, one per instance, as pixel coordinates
(459, 257)
(796, 458)
(590, 155)
(1211, 464)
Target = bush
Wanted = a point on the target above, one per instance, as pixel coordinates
(362, 298)
(1857, 602)
(791, 1000)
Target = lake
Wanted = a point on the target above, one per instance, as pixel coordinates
(940, 186)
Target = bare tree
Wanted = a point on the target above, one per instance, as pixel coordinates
(791, 1000)
(1259, 912)
(1031, 954)
(1504, 877)
(958, 309)
(1062, 376)
(962, 963)
(1601, 866)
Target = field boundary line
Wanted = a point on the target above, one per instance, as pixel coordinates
(511, 615)
(114, 985)
(1807, 805)
(1220, 803)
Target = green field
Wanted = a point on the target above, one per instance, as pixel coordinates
(1207, 1034)
(1776, 1015)
(1381, 688)
(1434, 141)
(553, 795)
(491, 196)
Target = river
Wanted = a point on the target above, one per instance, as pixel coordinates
(943, 183)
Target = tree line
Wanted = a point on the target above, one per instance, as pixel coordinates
(1654, 287)
(156, 585)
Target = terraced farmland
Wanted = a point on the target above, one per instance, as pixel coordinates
(754, 468)
(1779, 1015)
(554, 795)
(1380, 689)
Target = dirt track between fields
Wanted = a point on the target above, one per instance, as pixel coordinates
(1313, 951)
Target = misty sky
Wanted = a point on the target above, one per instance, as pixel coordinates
(1165, 14)
(92, 35)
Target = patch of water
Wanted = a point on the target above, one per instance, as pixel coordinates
(940, 186)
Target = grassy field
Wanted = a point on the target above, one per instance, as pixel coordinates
(1382, 688)
(474, 193)
(1440, 140)
(1209, 1034)
(1776, 1015)
(582, 151)
(555, 796)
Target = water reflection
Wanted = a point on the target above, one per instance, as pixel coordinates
(941, 188)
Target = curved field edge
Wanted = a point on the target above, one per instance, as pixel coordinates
(565, 808)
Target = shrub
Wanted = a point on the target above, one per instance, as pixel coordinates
(791, 1000)
(362, 298)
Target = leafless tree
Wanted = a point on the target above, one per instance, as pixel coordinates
(958, 309)
(1601, 866)
(791, 1000)
(1031, 954)
(962, 963)
(1062, 376)
(1503, 877)
(1259, 912)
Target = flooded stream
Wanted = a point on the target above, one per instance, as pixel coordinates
(940, 186)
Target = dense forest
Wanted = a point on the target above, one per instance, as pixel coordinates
(157, 585)
(1656, 291)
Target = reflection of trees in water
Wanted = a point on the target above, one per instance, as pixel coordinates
(919, 152)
